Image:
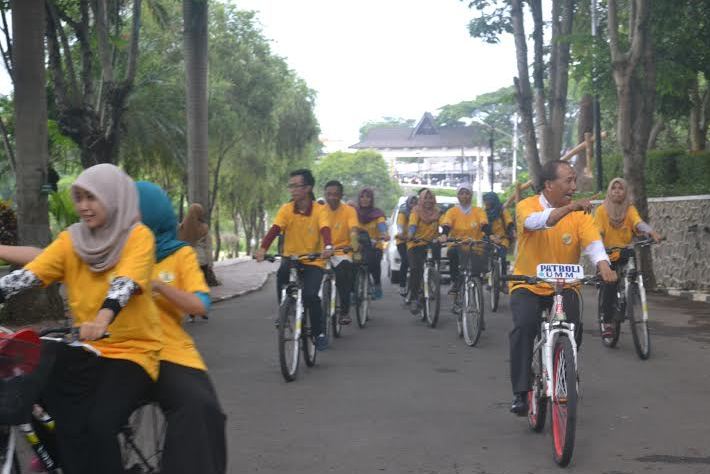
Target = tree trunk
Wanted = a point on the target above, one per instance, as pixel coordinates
(217, 236)
(195, 45)
(585, 124)
(28, 20)
(524, 91)
(656, 130)
(699, 116)
(562, 21)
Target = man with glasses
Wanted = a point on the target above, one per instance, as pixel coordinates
(306, 230)
(552, 228)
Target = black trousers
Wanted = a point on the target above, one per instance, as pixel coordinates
(609, 290)
(344, 280)
(373, 257)
(527, 308)
(195, 440)
(91, 399)
(417, 258)
(404, 264)
(312, 278)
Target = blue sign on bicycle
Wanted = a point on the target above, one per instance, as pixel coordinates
(556, 271)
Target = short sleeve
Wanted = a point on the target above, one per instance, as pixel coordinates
(483, 217)
(191, 277)
(138, 257)
(633, 214)
(522, 212)
(281, 218)
(381, 220)
(401, 219)
(49, 265)
(600, 219)
(588, 231)
(448, 218)
(413, 219)
(352, 218)
(323, 220)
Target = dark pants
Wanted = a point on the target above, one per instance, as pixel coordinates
(460, 256)
(503, 254)
(195, 437)
(91, 399)
(609, 290)
(404, 264)
(527, 308)
(312, 277)
(373, 258)
(417, 258)
(344, 280)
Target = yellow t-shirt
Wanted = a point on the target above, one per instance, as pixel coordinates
(465, 226)
(302, 231)
(341, 221)
(371, 229)
(617, 236)
(499, 226)
(135, 333)
(562, 243)
(182, 271)
(402, 223)
(424, 231)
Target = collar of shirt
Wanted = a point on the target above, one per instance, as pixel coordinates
(308, 210)
(544, 202)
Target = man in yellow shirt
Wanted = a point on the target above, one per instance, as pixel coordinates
(343, 228)
(465, 221)
(551, 229)
(306, 230)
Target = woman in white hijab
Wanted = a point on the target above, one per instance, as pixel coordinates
(106, 262)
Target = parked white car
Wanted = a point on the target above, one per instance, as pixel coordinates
(392, 255)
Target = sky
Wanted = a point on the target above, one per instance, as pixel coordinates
(368, 59)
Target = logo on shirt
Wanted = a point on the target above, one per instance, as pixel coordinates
(566, 238)
(166, 277)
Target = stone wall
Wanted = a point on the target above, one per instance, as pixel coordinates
(683, 260)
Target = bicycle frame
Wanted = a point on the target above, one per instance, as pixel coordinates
(632, 275)
(330, 273)
(294, 290)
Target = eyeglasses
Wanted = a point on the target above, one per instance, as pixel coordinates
(296, 186)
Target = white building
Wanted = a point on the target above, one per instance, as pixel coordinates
(432, 155)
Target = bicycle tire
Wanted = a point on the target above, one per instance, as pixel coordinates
(362, 296)
(432, 305)
(142, 440)
(308, 343)
(616, 324)
(5, 433)
(289, 350)
(325, 304)
(472, 311)
(336, 326)
(564, 401)
(495, 284)
(639, 327)
(537, 398)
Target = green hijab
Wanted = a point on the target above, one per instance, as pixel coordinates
(157, 213)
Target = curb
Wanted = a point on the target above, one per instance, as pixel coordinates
(685, 294)
(230, 296)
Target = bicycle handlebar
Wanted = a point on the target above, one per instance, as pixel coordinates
(640, 243)
(533, 280)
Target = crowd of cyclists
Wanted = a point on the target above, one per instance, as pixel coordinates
(549, 227)
(130, 283)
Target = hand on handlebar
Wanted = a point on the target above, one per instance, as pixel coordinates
(442, 239)
(96, 329)
(655, 236)
(259, 255)
(608, 275)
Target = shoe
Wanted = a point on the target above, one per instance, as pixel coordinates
(321, 342)
(607, 331)
(520, 404)
(345, 319)
(403, 291)
(377, 292)
(415, 308)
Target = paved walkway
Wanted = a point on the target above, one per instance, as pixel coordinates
(240, 276)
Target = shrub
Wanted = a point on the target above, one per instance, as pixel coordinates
(8, 224)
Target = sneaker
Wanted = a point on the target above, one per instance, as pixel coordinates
(321, 342)
(344, 319)
(607, 331)
(377, 292)
(520, 404)
(403, 291)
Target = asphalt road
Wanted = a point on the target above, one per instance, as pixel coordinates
(399, 397)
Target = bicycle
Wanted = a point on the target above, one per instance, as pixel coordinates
(294, 323)
(29, 357)
(364, 284)
(495, 265)
(631, 302)
(468, 303)
(331, 299)
(554, 361)
(430, 292)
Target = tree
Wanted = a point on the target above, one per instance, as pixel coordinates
(31, 149)
(90, 90)
(364, 168)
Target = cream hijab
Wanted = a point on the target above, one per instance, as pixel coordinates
(617, 211)
(101, 248)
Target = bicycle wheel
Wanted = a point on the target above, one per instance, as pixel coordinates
(9, 461)
(537, 398)
(457, 307)
(564, 401)
(336, 327)
(308, 339)
(472, 311)
(288, 342)
(615, 323)
(432, 304)
(142, 440)
(495, 284)
(639, 327)
(362, 296)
